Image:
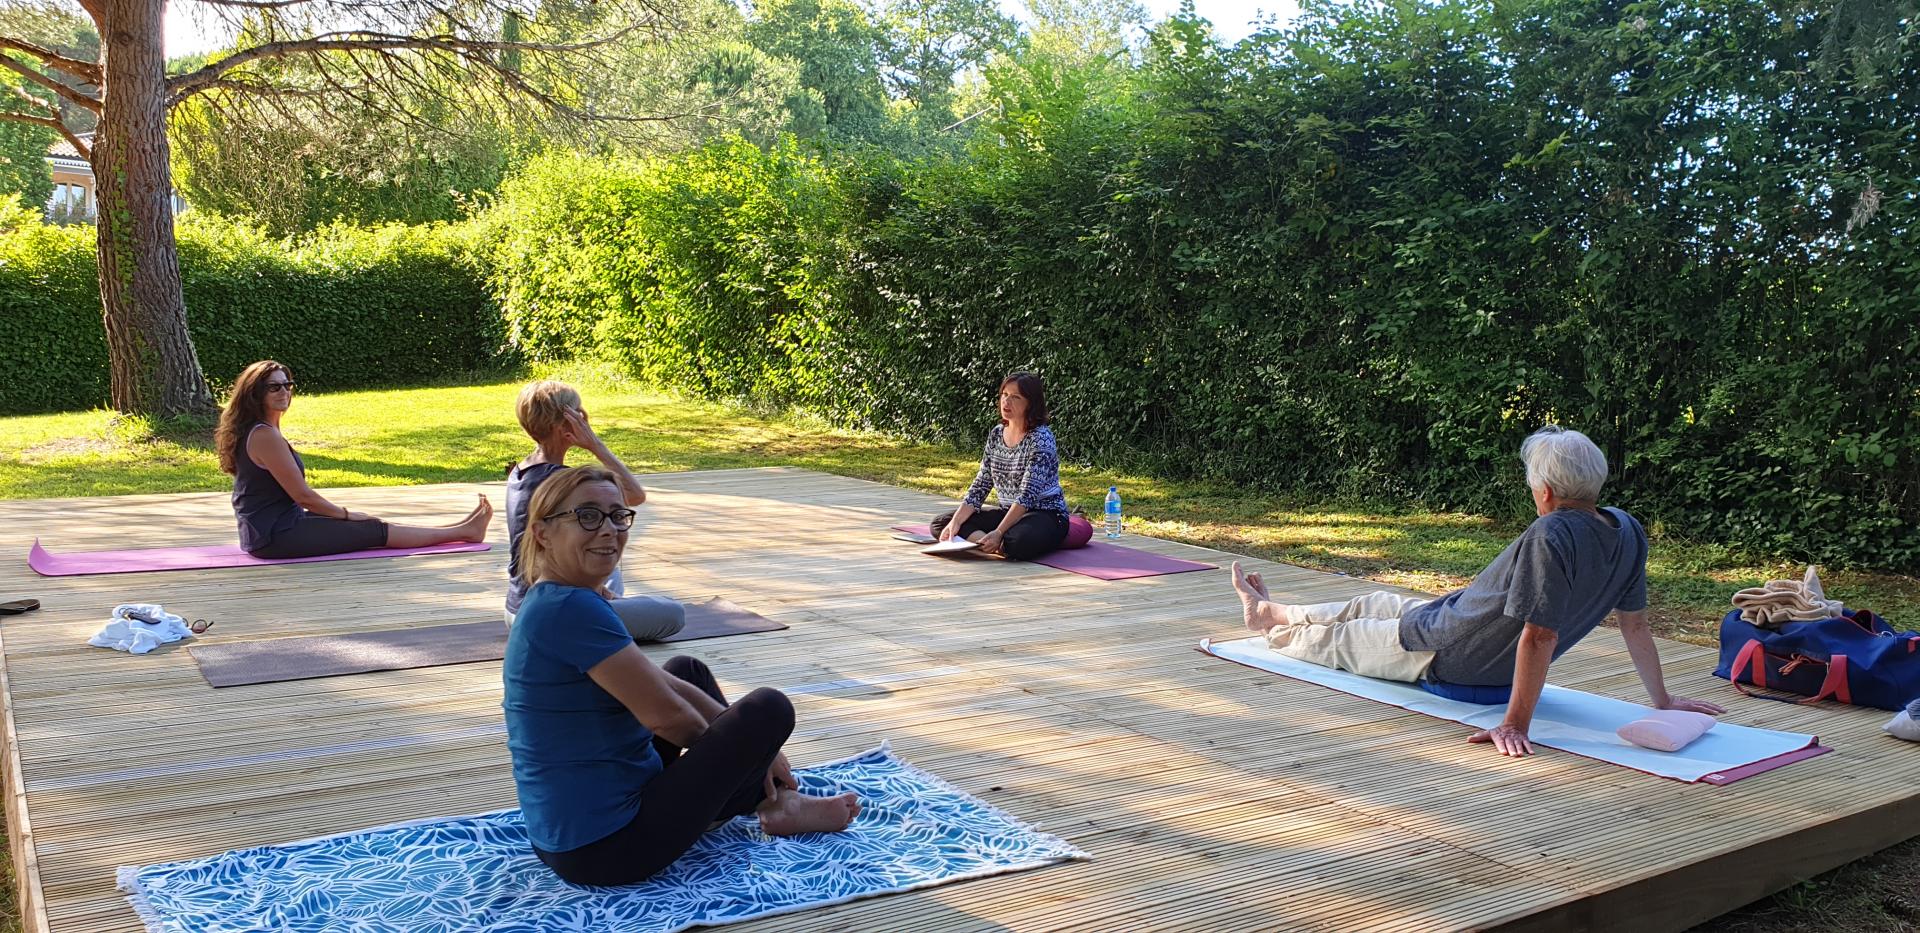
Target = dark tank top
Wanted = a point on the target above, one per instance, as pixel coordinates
(262, 507)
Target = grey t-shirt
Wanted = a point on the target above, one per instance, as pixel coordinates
(1566, 572)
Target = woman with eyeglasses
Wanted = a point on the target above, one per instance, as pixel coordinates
(620, 764)
(553, 417)
(282, 517)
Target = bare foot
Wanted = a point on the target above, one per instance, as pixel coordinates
(474, 526)
(793, 813)
(1259, 586)
(1253, 600)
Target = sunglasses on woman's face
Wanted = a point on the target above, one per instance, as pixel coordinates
(590, 517)
(273, 387)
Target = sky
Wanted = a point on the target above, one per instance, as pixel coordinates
(1232, 19)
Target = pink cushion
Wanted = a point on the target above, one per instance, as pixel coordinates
(1079, 532)
(1667, 730)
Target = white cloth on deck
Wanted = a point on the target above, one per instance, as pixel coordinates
(138, 628)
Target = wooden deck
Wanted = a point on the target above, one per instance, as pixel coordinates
(1212, 796)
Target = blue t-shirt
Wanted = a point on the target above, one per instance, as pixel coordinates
(580, 759)
(521, 482)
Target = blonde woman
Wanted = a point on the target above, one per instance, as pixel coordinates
(621, 765)
(550, 412)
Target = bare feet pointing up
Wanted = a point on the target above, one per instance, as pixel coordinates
(474, 526)
(1257, 608)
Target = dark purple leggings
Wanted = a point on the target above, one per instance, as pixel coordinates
(720, 777)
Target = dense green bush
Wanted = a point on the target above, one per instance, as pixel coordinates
(1364, 255)
(342, 306)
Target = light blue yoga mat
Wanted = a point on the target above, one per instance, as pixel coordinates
(477, 872)
(1569, 720)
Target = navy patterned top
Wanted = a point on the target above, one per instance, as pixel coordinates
(1027, 473)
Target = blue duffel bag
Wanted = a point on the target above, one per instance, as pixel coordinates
(1853, 658)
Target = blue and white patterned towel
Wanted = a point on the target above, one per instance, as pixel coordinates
(477, 872)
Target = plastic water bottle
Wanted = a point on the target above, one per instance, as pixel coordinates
(1113, 511)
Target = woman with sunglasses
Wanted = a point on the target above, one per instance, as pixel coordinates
(621, 765)
(282, 517)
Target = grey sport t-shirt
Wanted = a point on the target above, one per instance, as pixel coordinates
(1566, 572)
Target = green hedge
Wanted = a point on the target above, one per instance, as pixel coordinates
(1365, 256)
(343, 307)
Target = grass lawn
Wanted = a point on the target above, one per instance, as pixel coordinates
(464, 433)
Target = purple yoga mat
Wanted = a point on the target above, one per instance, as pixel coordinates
(49, 564)
(1103, 561)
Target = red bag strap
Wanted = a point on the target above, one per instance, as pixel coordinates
(1835, 686)
(1748, 657)
(1751, 659)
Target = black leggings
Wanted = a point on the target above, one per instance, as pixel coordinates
(718, 779)
(1036, 534)
(315, 535)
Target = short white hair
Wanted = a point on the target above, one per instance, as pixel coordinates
(1567, 461)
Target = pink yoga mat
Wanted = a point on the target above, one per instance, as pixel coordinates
(82, 563)
(1103, 561)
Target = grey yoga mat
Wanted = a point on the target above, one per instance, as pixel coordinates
(271, 660)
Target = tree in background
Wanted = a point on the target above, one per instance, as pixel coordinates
(1087, 30)
(709, 79)
(507, 56)
(23, 155)
(837, 46)
(23, 146)
(300, 164)
(930, 43)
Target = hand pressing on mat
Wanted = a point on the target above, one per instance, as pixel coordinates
(1692, 706)
(1512, 742)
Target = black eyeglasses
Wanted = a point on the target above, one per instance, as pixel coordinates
(590, 517)
(272, 387)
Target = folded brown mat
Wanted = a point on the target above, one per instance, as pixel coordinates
(271, 660)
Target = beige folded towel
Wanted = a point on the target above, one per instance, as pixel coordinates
(1782, 601)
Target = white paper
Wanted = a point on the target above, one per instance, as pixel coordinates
(949, 547)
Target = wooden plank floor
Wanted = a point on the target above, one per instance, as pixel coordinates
(1213, 797)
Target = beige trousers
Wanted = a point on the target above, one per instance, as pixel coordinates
(1361, 635)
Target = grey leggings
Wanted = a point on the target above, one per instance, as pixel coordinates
(647, 618)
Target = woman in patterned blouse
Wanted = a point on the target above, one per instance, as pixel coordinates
(1022, 467)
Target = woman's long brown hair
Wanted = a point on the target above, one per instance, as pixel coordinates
(247, 407)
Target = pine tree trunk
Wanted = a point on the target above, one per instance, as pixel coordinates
(154, 367)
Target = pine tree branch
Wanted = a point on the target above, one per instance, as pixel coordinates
(86, 71)
(83, 101)
(186, 85)
(79, 145)
(255, 4)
